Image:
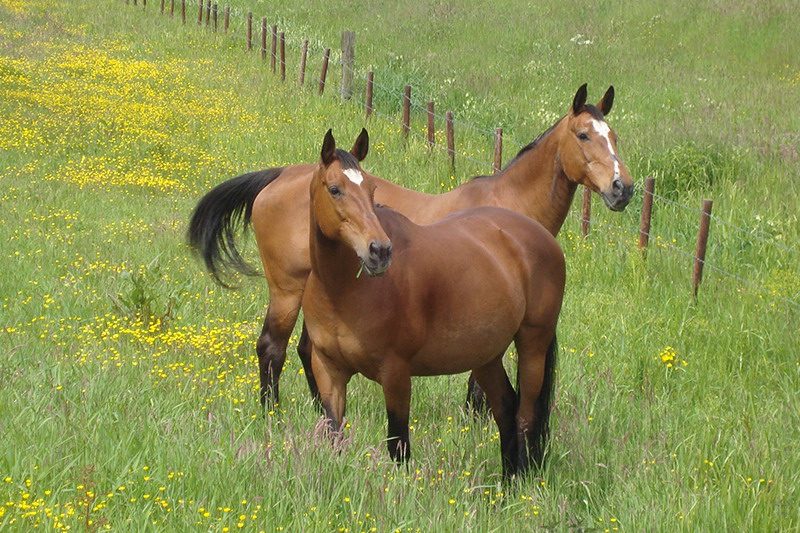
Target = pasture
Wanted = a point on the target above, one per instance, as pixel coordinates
(130, 385)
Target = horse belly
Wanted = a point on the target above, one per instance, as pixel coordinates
(462, 342)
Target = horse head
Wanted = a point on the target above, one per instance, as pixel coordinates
(588, 150)
(343, 207)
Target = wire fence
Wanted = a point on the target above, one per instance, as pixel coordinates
(263, 38)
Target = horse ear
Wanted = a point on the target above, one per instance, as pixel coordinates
(580, 100)
(328, 153)
(605, 103)
(361, 146)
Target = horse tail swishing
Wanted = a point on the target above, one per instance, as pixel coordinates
(217, 216)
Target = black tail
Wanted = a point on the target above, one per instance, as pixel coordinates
(541, 426)
(217, 217)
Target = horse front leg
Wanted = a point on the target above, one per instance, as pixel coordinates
(332, 382)
(396, 383)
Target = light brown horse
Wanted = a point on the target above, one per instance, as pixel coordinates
(444, 298)
(539, 182)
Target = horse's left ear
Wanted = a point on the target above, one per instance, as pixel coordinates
(328, 153)
(605, 103)
(580, 100)
(361, 146)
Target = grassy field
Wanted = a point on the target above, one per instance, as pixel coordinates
(130, 385)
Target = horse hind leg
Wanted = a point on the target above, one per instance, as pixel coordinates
(272, 343)
(476, 398)
(537, 359)
(396, 383)
(502, 400)
(304, 352)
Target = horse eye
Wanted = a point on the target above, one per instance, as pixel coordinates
(583, 136)
(334, 190)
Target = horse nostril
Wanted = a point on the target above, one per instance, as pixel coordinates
(617, 186)
(379, 251)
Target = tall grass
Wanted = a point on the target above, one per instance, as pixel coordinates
(130, 384)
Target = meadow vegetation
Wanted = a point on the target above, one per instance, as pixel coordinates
(129, 398)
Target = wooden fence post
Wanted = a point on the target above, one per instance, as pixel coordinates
(214, 12)
(249, 31)
(273, 47)
(172, 8)
(702, 241)
(370, 82)
(406, 110)
(587, 211)
(451, 143)
(282, 38)
(208, 13)
(183, 12)
(227, 20)
(199, 12)
(431, 128)
(325, 58)
(162, 7)
(303, 57)
(498, 150)
(647, 209)
(264, 38)
(348, 63)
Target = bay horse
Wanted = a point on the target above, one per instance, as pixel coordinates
(445, 298)
(540, 182)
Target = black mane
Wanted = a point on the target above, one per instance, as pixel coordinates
(589, 108)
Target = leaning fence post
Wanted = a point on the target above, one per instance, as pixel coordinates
(702, 241)
(303, 57)
(348, 63)
(406, 110)
(273, 46)
(282, 38)
(431, 129)
(326, 56)
(498, 150)
(587, 209)
(370, 81)
(451, 144)
(647, 209)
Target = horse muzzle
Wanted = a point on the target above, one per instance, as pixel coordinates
(378, 259)
(618, 195)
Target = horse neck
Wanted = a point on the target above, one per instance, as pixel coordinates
(537, 185)
(332, 261)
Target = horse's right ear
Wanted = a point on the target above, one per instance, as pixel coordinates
(580, 100)
(361, 146)
(328, 153)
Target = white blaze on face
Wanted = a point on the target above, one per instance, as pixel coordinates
(603, 130)
(354, 175)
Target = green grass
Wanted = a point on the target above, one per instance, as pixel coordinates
(130, 385)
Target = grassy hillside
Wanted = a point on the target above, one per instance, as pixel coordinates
(130, 385)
